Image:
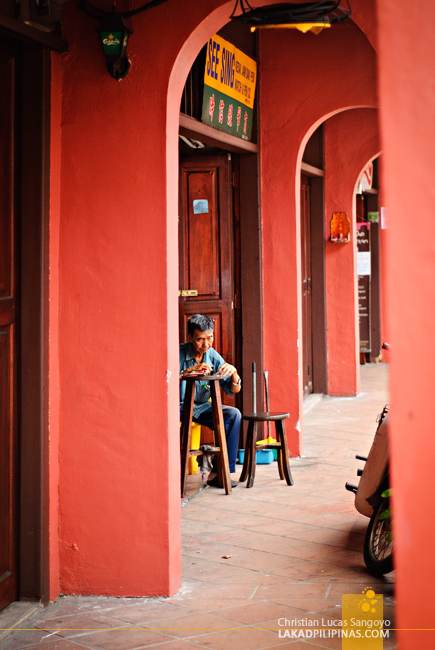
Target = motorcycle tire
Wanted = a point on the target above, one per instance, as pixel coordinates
(378, 543)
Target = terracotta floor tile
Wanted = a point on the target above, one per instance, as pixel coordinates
(148, 611)
(331, 520)
(309, 604)
(301, 645)
(247, 521)
(338, 538)
(178, 644)
(274, 544)
(75, 625)
(351, 575)
(242, 538)
(54, 644)
(68, 605)
(205, 591)
(19, 640)
(193, 625)
(121, 640)
(203, 529)
(336, 591)
(243, 639)
(258, 612)
(257, 578)
(211, 604)
(353, 560)
(208, 571)
(261, 561)
(313, 552)
(284, 591)
(283, 528)
(310, 571)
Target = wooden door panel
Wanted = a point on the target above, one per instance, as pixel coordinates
(207, 248)
(307, 346)
(7, 475)
(8, 436)
(202, 227)
(5, 176)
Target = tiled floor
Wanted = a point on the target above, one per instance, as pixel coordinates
(250, 559)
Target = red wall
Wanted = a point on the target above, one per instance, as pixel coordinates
(407, 108)
(351, 141)
(119, 485)
(296, 95)
(119, 451)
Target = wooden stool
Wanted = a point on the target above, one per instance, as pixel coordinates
(250, 463)
(223, 468)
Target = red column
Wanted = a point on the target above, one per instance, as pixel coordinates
(351, 140)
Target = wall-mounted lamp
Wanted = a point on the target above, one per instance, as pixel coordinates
(114, 34)
(340, 228)
(304, 16)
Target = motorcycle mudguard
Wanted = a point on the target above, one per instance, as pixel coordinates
(374, 469)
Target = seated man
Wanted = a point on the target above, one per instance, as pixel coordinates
(198, 355)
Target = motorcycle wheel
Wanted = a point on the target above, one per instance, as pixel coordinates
(378, 544)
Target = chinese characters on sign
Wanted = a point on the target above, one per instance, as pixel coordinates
(230, 78)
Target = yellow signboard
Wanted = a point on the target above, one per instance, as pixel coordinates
(229, 71)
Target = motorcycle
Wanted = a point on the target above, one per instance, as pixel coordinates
(372, 499)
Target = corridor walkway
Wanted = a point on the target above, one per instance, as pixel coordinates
(251, 559)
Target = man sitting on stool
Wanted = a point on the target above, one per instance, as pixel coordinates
(198, 355)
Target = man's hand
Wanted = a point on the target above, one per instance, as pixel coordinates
(227, 370)
(200, 368)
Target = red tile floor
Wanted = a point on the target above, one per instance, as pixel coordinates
(250, 559)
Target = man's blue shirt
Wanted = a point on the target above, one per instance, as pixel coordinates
(202, 390)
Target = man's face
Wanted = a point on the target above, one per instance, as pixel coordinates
(201, 341)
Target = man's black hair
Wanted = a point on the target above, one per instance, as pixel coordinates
(199, 322)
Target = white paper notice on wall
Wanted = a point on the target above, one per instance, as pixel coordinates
(383, 218)
(363, 263)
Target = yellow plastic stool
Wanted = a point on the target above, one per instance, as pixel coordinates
(195, 442)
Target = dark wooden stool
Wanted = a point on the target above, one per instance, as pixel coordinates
(223, 468)
(250, 463)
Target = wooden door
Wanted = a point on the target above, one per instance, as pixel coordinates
(207, 248)
(8, 434)
(307, 344)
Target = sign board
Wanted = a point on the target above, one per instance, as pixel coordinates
(363, 270)
(366, 180)
(230, 78)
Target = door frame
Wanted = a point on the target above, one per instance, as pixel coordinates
(318, 278)
(33, 202)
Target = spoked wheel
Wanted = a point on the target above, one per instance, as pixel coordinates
(378, 543)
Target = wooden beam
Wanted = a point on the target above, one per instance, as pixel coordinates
(191, 128)
(309, 170)
(29, 33)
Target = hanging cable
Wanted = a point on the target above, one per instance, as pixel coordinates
(95, 12)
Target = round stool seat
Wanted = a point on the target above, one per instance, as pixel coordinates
(266, 417)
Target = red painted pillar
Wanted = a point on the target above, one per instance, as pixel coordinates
(351, 140)
(407, 110)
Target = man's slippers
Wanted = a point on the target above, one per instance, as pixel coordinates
(214, 482)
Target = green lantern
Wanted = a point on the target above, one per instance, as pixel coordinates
(114, 35)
